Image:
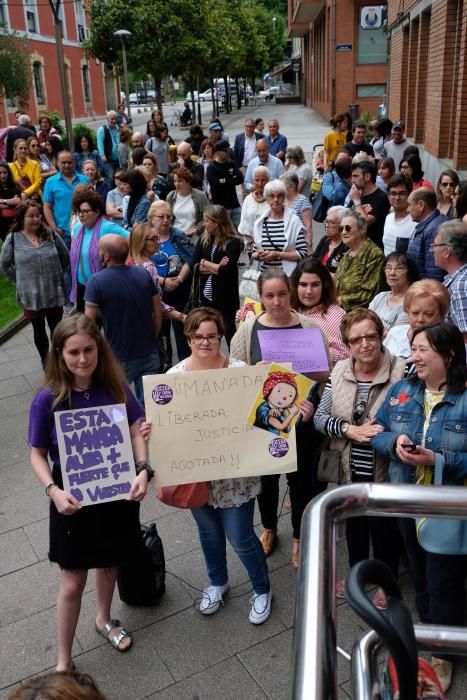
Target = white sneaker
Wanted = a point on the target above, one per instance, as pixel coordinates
(212, 599)
(260, 607)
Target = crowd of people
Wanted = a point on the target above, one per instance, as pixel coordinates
(145, 239)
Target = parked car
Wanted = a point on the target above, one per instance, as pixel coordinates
(275, 90)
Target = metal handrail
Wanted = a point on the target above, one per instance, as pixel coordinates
(314, 663)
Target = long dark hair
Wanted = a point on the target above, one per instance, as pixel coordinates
(138, 188)
(313, 267)
(416, 164)
(78, 146)
(447, 340)
(43, 231)
(10, 183)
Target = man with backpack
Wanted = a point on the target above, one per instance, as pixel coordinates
(108, 140)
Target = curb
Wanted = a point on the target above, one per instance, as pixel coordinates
(12, 328)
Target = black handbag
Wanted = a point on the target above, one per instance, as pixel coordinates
(141, 580)
(194, 300)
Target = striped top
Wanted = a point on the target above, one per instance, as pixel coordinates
(299, 204)
(207, 291)
(361, 454)
(273, 239)
(330, 323)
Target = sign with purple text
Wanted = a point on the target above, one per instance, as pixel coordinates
(200, 429)
(303, 347)
(95, 453)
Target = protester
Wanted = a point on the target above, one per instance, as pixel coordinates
(336, 183)
(26, 172)
(352, 396)
(84, 150)
(45, 166)
(254, 205)
(91, 171)
(386, 170)
(399, 225)
(295, 162)
(136, 204)
(10, 198)
(83, 373)
(188, 204)
(411, 167)
(331, 248)
(422, 427)
(334, 140)
(398, 272)
(114, 201)
(299, 204)
(445, 189)
(30, 250)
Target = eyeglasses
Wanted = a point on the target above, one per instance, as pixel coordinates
(369, 337)
(398, 268)
(210, 339)
(359, 411)
(345, 228)
(398, 194)
(438, 245)
(447, 184)
(65, 162)
(83, 212)
(162, 216)
(153, 239)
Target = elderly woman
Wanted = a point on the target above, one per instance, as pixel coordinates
(254, 204)
(424, 435)
(330, 248)
(86, 234)
(26, 172)
(279, 238)
(217, 253)
(91, 171)
(358, 273)
(295, 163)
(445, 189)
(398, 273)
(173, 261)
(425, 301)
(299, 204)
(351, 398)
(46, 129)
(188, 204)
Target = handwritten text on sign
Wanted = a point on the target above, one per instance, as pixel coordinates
(303, 347)
(200, 430)
(95, 453)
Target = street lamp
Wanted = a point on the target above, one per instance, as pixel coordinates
(274, 20)
(122, 35)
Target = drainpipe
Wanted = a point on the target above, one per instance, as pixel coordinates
(333, 59)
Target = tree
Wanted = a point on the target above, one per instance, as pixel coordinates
(15, 76)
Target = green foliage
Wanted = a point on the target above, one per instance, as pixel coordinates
(83, 130)
(15, 74)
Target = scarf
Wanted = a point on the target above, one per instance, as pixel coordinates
(93, 255)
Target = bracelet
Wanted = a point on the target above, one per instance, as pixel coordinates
(144, 466)
(49, 487)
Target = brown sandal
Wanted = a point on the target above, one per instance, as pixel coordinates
(268, 540)
(295, 552)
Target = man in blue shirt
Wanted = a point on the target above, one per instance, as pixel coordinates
(274, 165)
(130, 304)
(277, 142)
(108, 140)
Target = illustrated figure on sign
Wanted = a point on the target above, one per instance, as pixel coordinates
(278, 409)
(248, 311)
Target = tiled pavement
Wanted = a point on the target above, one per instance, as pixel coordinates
(177, 653)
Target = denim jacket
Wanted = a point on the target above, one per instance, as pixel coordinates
(403, 413)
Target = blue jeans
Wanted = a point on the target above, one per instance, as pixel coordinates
(214, 525)
(109, 167)
(135, 370)
(67, 273)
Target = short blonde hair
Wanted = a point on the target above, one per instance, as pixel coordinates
(157, 207)
(428, 288)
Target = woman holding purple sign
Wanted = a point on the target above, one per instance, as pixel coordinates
(274, 294)
(82, 373)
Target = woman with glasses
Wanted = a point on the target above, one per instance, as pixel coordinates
(85, 237)
(398, 272)
(45, 166)
(358, 273)
(331, 248)
(35, 259)
(445, 191)
(356, 389)
(26, 172)
(279, 236)
(217, 253)
(173, 261)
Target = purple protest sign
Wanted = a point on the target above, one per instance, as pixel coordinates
(303, 347)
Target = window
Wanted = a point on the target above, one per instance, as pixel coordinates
(376, 90)
(3, 13)
(80, 20)
(32, 23)
(38, 82)
(86, 85)
(372, 42)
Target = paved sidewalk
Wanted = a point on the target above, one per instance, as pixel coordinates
(177, 654)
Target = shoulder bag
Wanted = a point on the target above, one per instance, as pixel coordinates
(194, 300)
(320, 207)
(184, 495)
(440, 536)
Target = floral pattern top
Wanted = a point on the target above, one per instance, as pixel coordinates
(228, 493)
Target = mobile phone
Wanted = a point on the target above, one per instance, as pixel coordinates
(408, 446)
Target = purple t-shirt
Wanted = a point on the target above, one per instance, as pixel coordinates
(42, 433)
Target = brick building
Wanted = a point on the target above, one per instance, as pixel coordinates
(344, 53)
(428, 78)
(91, 89)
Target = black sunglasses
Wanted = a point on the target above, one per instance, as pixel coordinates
(345, 228)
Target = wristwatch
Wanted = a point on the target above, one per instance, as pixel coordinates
(344, 428)
(357, 203)
(144, 466)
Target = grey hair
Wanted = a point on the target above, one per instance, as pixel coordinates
(296, 152)
(454, 234)
(358, 218)
(274, 187)
(261, 170)
(290, 178)
(24, 120)
(111, 113)
(339, 211)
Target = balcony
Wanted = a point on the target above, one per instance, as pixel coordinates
(303, 13)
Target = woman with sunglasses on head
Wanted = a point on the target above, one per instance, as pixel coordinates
(351, 398)
(358, 273)
(26, 172)
(423, 421)
(398, 272)
(445, 190)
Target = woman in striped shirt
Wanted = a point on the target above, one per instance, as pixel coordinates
(279, 236)
(351, 398)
